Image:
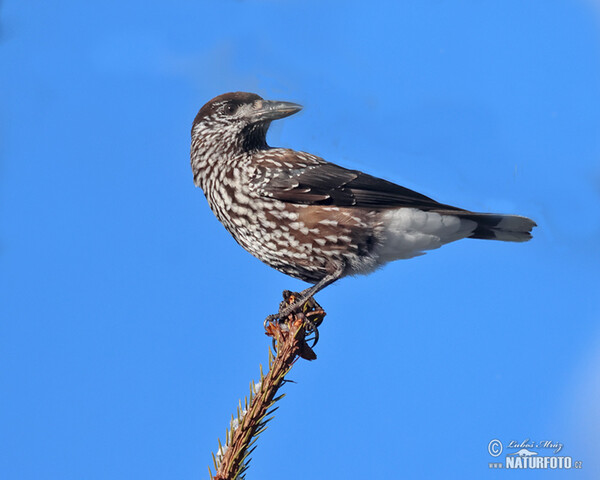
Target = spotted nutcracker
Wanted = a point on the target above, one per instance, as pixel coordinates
(312, 219)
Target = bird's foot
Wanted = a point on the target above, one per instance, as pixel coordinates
(303, 308)
(292, 302)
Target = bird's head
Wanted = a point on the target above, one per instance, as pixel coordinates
(238, 120)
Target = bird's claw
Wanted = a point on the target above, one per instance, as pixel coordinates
(305, 309)
(269, 320)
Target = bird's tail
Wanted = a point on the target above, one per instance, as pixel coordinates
(508, 228)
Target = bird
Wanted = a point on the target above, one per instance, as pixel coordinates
(312, 219)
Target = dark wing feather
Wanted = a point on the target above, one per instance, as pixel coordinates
(323, 183)
(299, 177)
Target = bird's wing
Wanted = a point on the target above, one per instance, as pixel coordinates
(297, 177)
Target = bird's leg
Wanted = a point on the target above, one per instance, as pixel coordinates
(305, 295)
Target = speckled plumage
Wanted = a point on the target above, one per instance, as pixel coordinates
(312, 219)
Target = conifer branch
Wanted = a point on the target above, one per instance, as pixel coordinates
(290, 338)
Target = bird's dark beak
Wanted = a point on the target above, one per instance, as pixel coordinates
(266, 110)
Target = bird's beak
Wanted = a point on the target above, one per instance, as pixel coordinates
(272, 110)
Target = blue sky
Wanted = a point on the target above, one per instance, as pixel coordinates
(132, 322)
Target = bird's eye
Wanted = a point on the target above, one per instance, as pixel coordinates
(230, 108)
